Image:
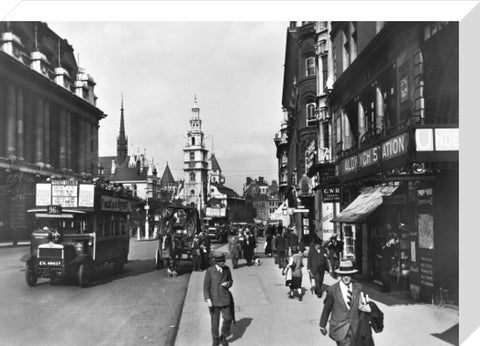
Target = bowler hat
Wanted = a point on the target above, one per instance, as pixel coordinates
(219, 257)
(346, 268)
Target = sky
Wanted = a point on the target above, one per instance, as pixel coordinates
(234, 68)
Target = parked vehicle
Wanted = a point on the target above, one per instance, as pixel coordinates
(80, 228)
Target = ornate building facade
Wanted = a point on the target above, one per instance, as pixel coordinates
(48, 119)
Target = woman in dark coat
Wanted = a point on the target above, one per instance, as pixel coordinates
(295, 264)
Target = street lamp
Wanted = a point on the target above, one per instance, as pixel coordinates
(147, 207)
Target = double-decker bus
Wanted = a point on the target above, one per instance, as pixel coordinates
(80, 227)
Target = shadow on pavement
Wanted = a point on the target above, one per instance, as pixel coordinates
(239, 328)
(450, 335)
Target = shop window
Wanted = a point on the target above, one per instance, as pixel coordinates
(310, 66)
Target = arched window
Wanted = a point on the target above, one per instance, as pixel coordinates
(192, 156)
(192, 176)
(193, 140)
(192, 192)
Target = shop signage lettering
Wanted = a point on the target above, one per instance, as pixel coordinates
(331, 195)
(114, 204)
(369, 157)
(426, 271)
(439, 139)
(391, 148)
(395, 146)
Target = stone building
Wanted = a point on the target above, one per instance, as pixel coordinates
(48, 119)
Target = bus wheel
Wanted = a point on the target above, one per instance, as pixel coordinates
(31, 274)
(83, 275)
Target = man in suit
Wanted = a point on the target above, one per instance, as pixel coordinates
(344, 302)
(218, 280)
(317, 264)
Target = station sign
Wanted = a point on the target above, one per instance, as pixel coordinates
(389, 149)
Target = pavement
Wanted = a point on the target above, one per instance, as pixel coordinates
(266, 316)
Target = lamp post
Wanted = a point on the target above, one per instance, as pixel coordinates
(147, 207)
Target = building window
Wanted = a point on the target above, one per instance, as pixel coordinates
(311, 116)
(193, 140)
(192, 192)
(345, 49)
(192, 177)
(192, 156)
(324, 71)
(310, 66)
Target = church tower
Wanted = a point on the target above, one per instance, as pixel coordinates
(122, 140)
(195, 162)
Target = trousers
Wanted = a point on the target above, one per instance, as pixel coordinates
(226, 312)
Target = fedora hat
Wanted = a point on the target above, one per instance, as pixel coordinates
(219, 257)
(346, 268)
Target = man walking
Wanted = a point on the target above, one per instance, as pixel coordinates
(344, 302)
(218, 280)
(317, 264)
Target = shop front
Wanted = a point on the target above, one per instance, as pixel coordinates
(401, 227)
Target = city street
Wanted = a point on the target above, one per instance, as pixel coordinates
(139, 306)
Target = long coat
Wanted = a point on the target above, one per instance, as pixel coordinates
(317, 262)
(212, 286)
(342, 318)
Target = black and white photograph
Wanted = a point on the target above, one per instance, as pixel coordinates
(220, 174)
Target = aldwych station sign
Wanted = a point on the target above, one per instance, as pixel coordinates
(391, 148)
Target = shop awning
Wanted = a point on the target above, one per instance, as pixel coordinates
(369, 199)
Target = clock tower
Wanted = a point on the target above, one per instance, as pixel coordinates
(195, 164)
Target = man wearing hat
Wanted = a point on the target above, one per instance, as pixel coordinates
(218, 280)
(317, 264)
(344, 302)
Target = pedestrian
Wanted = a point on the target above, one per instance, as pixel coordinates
(268, 242)
(344, 302)
(205, 250)
(216, 285)
(386, 257)
(235, 249)
(196, 253)
(292, 240)
(249, 247)
(281, 246)
(295, 264)
(335, 249)
(317, 264)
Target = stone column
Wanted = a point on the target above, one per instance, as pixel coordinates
(39, 120)
(62, 153)
(11, 140)
(68, 123)
(347, 132)
(46, 133)
(88, 147)
(81, 146)
(20, 124)
(379, 109)
(361, 121)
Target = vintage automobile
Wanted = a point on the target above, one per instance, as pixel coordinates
(80, 228)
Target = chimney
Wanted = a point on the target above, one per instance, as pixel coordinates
(249, 181)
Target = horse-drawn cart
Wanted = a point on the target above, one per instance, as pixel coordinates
(178, 226)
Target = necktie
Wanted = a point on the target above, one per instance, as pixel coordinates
(220, 270)
(349, 296)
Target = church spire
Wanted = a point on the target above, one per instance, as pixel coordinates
(122, 140)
